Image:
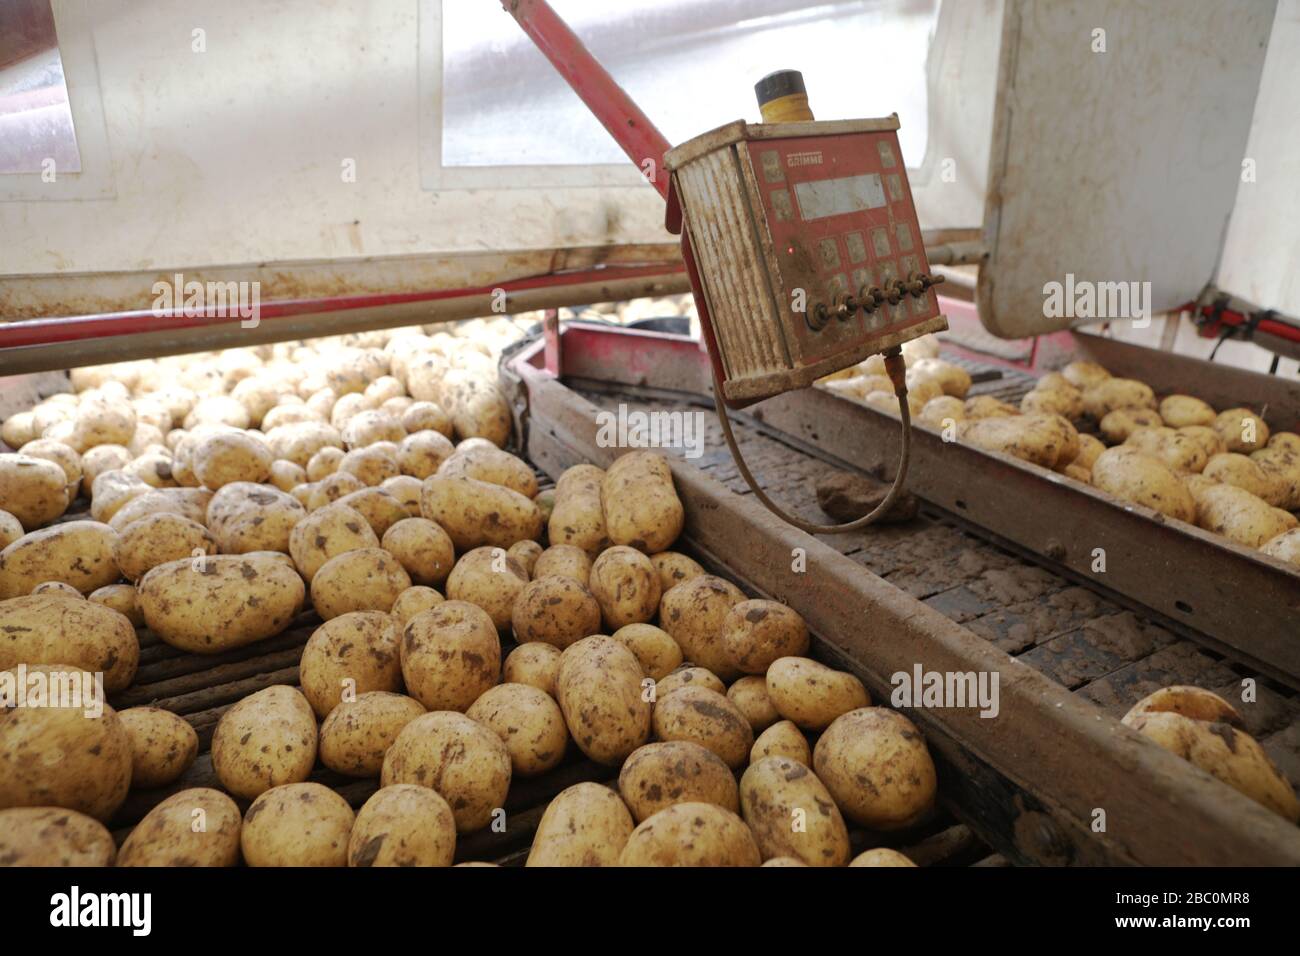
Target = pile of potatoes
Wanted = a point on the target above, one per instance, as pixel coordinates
(474, 629)
(1223, 471)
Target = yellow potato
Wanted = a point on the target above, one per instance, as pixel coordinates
(299, 441)
(163, 745)
(693, 612)
(489, 578)
(599, 688)
(79, 553)
(1248, 473)
(120, 598)
(450, 655)
(691, 834)
(812, 694)
(1284, 546)
(332, 488)
(426, 416)
(659, 775)
(52, 836)
(625, 585)
(476, 513)
(528, 722)
(158, 539)
(576, 519)
(1178, 451)
(358, 732)
(654, 648)
(950, 378)
(791, 813)
(403, 825)
(782, 739)
(412, 601)
(11, 529)
(876, 765)
(406, 490)
(265, 740)
(324, 463)
(491, 464)
(986, 406)
(1236, 514)
(749, 696)
(585, 825)
(1083, 374)
(881, 856)
(565, 560)
(422, 453)
(534, 664)
(674, 568)
(640, 504)
(370, 426)
(57, 629)
(61, 455)
(1133, 475)
(1181, 411)
(1110, 394)
(708, 718)
(297, 824)
(380, 509)
(555, 610)
(352, 654)
(1241, 430)
(756, 633)
(371, 466)
(367, 579)
(1116, 426)
(326, 533)
(526, 553)
(228, 457)
(688, 676)
(1046, 440)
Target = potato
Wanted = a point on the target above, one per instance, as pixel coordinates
(58, 629)
(791, 813)
(371, 465)
(221, 602)
(708, 718)
(33, 490)
(79, 553)
(110, 491)
(782, 739)
(1207, 731)
(1241, 430)
(380, 509)
(942, 409)
(120, 598)
(423, 548)
(476, 513)
(528, 722)
(1181, 411)
(1089, 448)
(52, 836)
(688, 676)
(951, 379)
(426, 416)
(526, 553)
(1236, 514)
(246, 517)
(297, 824)
(407, 492)
(1178, 451)
(358, 732)
(103, 423)
(577, 519)
(265, 740)
(403, 825)
(876, 765)
(487, 463)
(158, 539)
(693, 612)
(163, 745)
(450, 655)
(367, 579)
(555, 610)
(1281, 467)
(659, 775)
(412, 601)
(228, 457)
(655, 650)
(1244, 472)
(599, 688)
(1110, 394)
(465, 762)
(749, 696)
(756, 633)
(324, 463)
(812, 694)
(585, 825)
(299, 441)
(783, 861)
(18, 429)
(1116, 426)
(349, 655)
(370, 426)
(1046, 440)
(1083, 374)
(478, 409)
(535, 664)
(986, 406)
(11, 529)
(881, 856)
(333, 487)
(565, 560)
(327, 533)
(61, 455)
(1133, 475)
(691, 834)
(60, 749)
(640, 505)
(189, 503)
(626, 586)
(674, 568)
(422, 453)
(1284, 546)
(1056, 398)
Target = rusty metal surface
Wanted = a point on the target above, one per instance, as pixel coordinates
(1027, 781)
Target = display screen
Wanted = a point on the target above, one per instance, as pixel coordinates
(835, 197)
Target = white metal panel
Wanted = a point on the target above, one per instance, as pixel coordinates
(1118, 166)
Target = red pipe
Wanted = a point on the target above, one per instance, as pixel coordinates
(49, 331)
(631, 128)
(1282, 330)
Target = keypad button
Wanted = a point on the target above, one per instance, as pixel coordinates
(856, 247)
(781, 205)
(880, 242)
(830, 254)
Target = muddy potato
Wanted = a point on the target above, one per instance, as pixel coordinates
(406, 490)
(555, 610)
(79, 553)
(422, 453)
(1284, 546)
(412, 601)
(535, 664)
(370, 426)
(158, 539)
(688, 676)
(57, 587)
(358, 732)
(1241, 430)
(109, 493)
(782, 739)
(776, 793)
(76, 757)
(529, 723)
(297, 824)
(1116, 426)
(371, 465)
(659, 775)
(403, 825)
(545, 501)
(33, 490)
(333, 487)
(380, 509)
(951, 379)
(1084, 374)
(348, 655)
(749, 696)
(299, 441)
(423, 548)
(1176, 450)
(1061, 399)
(53, 836)
(489, 578)
(220, 602)
(61, 455)
(811, 694)
(585, 825)
(1046, 440)
(247, 517)
(674, 568)
(877, 767)
(1180, 411)
(450, 655)
(1237, 514)
(1089, 448)
(986, 406)
(526, 553)
(708, 718)
(576, 518)
(1240, 471)
(426, 416)
(465, 762)
(654, 648)
(228, 457)
(121, 598)
(265, 740)
(368, 579)
(565, 560)
(693, 612)
(1133, 475)
(600, 691)
(691, 834)
(163, 745)
(476, 513)
(491, 464)
(55, 628)
(757, 632)
(1111, 393)
(11, 529)
(327, 533)
(324, 463)
(881, 856)
(640, 504)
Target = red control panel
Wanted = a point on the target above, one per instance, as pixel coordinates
(844, 229)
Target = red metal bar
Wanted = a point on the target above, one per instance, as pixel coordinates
(47, 331)
(631, 128)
